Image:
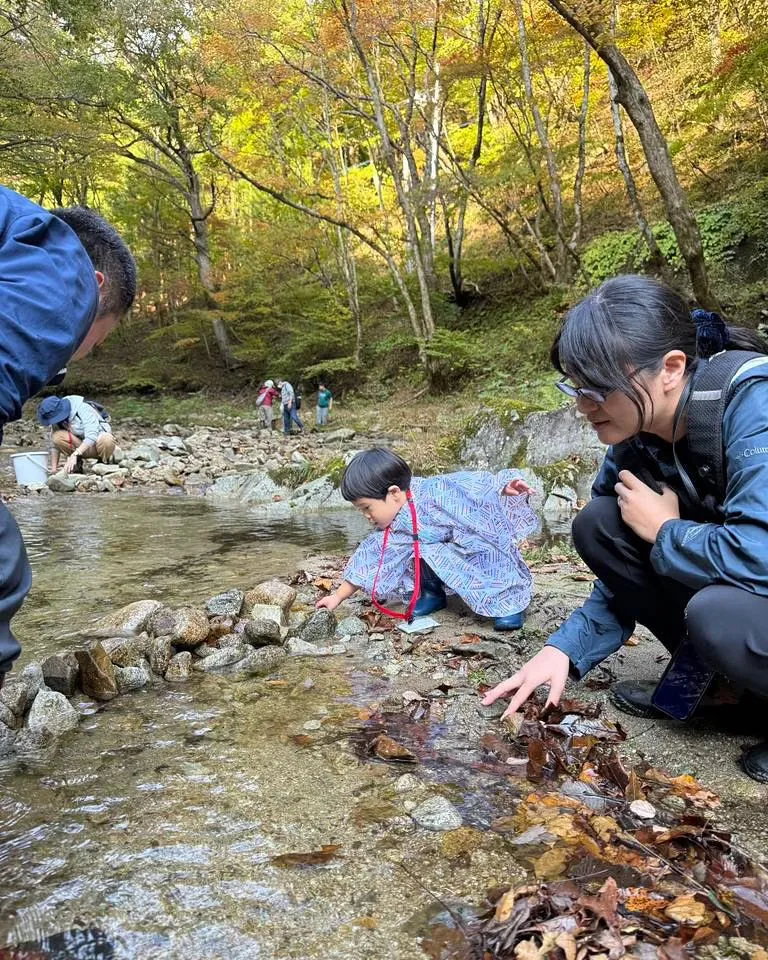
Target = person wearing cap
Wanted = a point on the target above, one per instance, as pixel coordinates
(265, 402)
(78, 428)
(66, 280)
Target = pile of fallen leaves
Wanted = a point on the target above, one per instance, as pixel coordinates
(629, 862)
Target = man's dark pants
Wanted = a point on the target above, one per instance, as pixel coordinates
(727, 626)
(15, 581)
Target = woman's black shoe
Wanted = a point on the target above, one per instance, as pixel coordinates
(754, 762)
(635, 698)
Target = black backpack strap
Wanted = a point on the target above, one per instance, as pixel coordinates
(711, 389)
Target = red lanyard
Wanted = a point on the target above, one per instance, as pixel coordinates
(408, 615)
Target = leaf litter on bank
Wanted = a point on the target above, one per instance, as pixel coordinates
(618, 873)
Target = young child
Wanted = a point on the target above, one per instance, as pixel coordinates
(464, 528)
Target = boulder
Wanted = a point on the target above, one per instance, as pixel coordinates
(61, 482)
(97, 674)
(186, 626)
(51, 713)
(132, 618)
(254, 486)
(351, 627)
(160, 653)
(320, 628)
(32, 676)
(560, 507)
(261, 662)
(179, 667)
(227, 604)
(270, 593)
(15, 695)
(221, 658)
(106, 469)
(61, 673)
(437, 814)
(9, 719)
(319, 494)
(263, 633)
(122, 651)
(220, 627)
(131, 678)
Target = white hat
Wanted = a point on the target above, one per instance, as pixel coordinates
(269, 383)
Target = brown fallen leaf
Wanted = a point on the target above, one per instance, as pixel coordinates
(689, 911)
(552, 864)
(311, 859)
(324, 583)
(301, 739)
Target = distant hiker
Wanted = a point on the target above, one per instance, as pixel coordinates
(265, 400)
(79, 428)
(290, 413)
(66, 281)
(458, 531)
(324, 404)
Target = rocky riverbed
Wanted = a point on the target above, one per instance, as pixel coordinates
(427, 799)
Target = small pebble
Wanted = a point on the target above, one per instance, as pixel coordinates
(406, 783)
(312, 725)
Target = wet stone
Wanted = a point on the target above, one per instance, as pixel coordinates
(7, 740)
(51, 713)
(160, 653)
(320, 628)
(97, 673)
(300, 648)
(131, 678)
(9, 718)
(179, 668)
(261, 661)
(351, 627)
(122, 651)
(271, 593)
(32, 676)
(227, 604)
(263, 633)
(186, 626)
(437, 814)
(14, 695)
(221, 658)
(132, 618)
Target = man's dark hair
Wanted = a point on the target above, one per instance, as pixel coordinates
(371, 473)
(109, 255)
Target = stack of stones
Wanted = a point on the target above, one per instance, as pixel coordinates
(245, 633)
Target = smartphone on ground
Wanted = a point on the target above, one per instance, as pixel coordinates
(684, 683)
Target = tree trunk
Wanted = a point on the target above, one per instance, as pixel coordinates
(632, 96)
(199, 219)
(223, 342)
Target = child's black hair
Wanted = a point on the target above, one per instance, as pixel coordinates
(371, 473)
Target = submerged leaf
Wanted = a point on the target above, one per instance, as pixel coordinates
(312, 859)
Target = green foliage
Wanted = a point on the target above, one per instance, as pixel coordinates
(342, 373)
(453, 356)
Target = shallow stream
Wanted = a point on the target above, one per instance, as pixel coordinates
(153, 828)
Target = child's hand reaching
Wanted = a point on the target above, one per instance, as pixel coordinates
(328, 603)
(517, 488)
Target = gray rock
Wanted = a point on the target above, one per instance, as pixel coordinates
(319, 628)
(204, 650)
(15, 695)
(221, 658)
(351, 627)
(32, 677)
(132, 618)
(34, 745)
(255, 486)
(160, 653)
(7, 740)
(106, 469)
(271, 593)
(261, 662)
(336, 436)
(97, 673)
(186, 626)
(300, 648)
(174, 445)
(263, 633)
(173, 429)
(131, 678)
(61, 673)
(319, 494)
(179, 668)
(230, 640)
(437, 814)
(51, 713)
(265, 611)
(61, 482)
(145, 452)
(227, 604)
(122, 651)
(9, 718)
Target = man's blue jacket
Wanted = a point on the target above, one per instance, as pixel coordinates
(48, 299)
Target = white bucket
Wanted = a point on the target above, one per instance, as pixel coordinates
(30, 467)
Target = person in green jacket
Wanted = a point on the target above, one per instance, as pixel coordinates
(324, 404)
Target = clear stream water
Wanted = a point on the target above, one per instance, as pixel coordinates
(156, 822)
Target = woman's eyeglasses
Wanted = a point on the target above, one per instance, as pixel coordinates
(594, 396)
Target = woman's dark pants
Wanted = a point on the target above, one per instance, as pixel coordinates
(727, 626)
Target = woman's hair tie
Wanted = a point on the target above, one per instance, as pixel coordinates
(711, 333)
